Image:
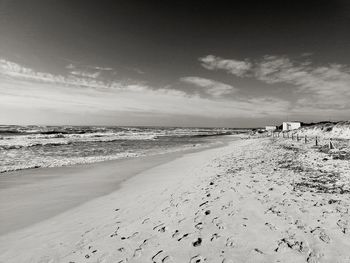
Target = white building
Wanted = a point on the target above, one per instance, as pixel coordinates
(270, 128)
(288, 126)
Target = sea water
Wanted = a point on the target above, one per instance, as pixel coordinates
(23, 147)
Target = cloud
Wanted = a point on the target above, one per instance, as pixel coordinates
(76, 78)
(235, 67)
(91, 96)
(212, 87)
(70, 66)
(85, 74)
(134, 98)
(316, 87)
(103, 68)
(12, 69)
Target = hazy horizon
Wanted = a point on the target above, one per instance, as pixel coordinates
(159, 126)
(128, 126)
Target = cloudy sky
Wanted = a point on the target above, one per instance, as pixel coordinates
(178, 63)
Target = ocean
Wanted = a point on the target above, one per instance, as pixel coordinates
(24, 147)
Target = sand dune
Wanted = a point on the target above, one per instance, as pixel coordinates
(257, 200)
(337, 130)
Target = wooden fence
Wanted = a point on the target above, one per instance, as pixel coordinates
(332, 143)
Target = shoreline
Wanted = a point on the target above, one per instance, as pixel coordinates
(111, 159)
(34, 195)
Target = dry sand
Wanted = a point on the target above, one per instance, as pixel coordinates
(257, 200)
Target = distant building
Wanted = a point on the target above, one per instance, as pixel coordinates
(288, 126)
(270, 128)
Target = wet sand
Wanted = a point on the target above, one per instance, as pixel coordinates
(30, 196)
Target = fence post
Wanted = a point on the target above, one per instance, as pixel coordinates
(316, 141)
(293, 136)
(298, 137)
(305, 139)
(331, 145)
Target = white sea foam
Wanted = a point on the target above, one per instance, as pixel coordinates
(23, 147)
(65, 161)
(15, 142)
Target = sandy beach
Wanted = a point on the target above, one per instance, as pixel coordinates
(256, 200)
(174, 131)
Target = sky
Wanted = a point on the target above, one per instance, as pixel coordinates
(174, 63)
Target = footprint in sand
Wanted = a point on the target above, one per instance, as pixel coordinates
(218, 223)
(197, 259)
(321, 234)
(197, 219)
(197, 242)
(224, 207)
(183, 236)
(167, 259)
(230, 242)
(258, 251)
(145, 220)
(199, 226)
(343, 225)
(121, 249)
(186, 200)
(214, 236)
(182, 219)
(160, 228)
(175, 234)
(133, 235)
(291, 243)
(203, 204)
(138, 251)
(161, 257)
(232, 213)
(313, 257)
(115, 233)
